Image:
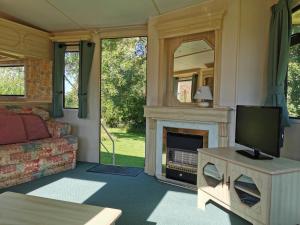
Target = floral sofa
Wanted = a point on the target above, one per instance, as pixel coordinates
(23, 162)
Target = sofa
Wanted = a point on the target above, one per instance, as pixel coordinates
(34, 157)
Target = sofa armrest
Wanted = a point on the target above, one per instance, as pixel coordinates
(58, 129)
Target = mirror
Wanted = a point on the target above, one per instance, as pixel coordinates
(193, 68)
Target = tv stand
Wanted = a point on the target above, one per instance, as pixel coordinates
(254, 154)
(262, 192)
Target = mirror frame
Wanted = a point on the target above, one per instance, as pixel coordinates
(172, 45)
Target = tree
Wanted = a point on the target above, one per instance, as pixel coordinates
(293, 82)
(12, 80)
(123, 82)
(71, 79)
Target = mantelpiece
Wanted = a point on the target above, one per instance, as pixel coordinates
(205, 17)
(214, 120)
(192, 114)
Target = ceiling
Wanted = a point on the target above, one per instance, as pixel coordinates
(58, 15)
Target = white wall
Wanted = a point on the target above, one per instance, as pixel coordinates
(244, 62)
(244, 54)
(88, 129)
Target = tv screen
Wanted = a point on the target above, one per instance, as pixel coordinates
(258, 127)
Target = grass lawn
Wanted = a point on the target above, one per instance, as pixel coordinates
(130, 147)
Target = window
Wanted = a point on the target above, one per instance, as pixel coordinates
(12, 80)
(184, 91)
(293, 76)
(71, 80)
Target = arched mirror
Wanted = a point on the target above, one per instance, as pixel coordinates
(193, 72)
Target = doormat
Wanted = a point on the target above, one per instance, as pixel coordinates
(116, 170)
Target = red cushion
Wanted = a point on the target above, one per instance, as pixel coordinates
(35, 127)
(4, 111)
(11, 129)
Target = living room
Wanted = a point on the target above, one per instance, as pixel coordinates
(210, 65)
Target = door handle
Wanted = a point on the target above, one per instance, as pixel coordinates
(228, 182)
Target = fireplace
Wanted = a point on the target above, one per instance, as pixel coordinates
(180, 148)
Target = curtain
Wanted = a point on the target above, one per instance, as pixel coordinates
(194, 86)
(175, 85)
(279, 44)
(58, 76)
(86, 51)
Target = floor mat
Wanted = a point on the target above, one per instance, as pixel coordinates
(116, 170)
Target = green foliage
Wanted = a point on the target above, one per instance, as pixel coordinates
(293, 89)
(123, 82)
(71, 79)
(12, 80)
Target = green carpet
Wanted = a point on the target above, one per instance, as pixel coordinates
(143, 200)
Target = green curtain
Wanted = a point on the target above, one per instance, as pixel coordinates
(86, 51)
(175, 85)
(279, 44)
(58, 76)
(194, 86)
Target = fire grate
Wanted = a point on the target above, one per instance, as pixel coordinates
(182, 157)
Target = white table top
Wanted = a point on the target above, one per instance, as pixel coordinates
(20, 209)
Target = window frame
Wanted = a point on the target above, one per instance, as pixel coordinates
(15, 65)
(295, 39)
(64, 105)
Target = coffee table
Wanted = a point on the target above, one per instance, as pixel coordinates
(16, 209)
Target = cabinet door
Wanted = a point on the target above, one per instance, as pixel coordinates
(211, 177)
(250, 192)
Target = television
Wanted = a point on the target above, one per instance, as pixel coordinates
(258, 127)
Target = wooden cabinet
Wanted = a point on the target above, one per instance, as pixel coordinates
(257, 207)
(264, 192)
(212, 177)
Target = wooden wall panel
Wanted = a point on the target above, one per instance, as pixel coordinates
(39, 80)
(23, 41)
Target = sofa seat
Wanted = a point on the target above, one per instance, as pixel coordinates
(22, 178)
(34, 166)
(18, 153)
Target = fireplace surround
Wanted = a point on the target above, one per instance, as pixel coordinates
(214, 121)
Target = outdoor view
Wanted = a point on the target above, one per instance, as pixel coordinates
(12, 80)
(123, 95)
(293, 87)
(293, 79)
(71, 80)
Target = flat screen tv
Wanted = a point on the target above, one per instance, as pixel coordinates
(258, 127)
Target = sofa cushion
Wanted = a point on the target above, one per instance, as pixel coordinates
(35, 127)
(58, 129)
(41, 112)
(18, 153)
(11, 129)
(44, 114)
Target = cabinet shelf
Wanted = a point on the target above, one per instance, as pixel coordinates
(248, 191)
(248, 187)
